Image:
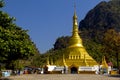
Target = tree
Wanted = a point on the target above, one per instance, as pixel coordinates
(94, 49)
(112, 44)
(1, 3)
(35, 60)
(15, 43)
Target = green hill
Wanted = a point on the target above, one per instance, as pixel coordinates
(99, 29)
(104, 16)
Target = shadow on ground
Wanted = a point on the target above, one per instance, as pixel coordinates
(5, 79)
(118, 76)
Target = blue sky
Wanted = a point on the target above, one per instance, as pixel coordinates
(47, 20)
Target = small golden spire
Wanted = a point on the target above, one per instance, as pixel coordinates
(64, 60)
(104, 63)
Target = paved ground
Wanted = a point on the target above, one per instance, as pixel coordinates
(61, 77)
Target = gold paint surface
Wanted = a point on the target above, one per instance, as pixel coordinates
(75, 54)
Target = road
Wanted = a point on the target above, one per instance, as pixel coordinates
(61, 77)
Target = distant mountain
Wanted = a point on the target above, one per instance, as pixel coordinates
(104, 16)
(100, 19)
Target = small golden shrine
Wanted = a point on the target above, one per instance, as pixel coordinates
(104, 63)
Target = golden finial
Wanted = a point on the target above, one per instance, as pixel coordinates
(75, 16)
(74, 6)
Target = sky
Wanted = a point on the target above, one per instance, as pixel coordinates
(47, 20)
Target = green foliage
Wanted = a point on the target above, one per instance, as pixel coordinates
(112, 45)
(15, 43)
(94, 49)
(35, 60)
(1, 3)
(61, 42)
(52, 55)
(58, 50)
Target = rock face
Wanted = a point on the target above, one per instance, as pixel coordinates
(104, 16)
(100, 19)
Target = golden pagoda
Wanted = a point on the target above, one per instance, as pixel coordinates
(75, 56)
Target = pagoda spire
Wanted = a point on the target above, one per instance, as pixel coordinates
(75, 40)
(75, 23)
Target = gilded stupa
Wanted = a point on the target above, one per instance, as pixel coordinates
(78, 55)
(75, 56)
